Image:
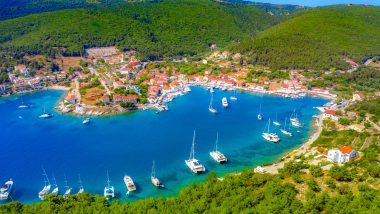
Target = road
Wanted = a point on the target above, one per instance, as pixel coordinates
(93, 71)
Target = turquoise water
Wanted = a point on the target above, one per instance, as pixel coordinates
(127, 144)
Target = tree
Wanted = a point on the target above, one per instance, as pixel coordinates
(344, 121)
(313, 185)
(341, 173)
(316, 171)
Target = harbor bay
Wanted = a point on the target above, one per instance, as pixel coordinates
(127, 144)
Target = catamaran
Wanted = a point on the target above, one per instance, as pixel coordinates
(276, 123)
(109, 191)
(193, 163)
(217, 155)
(129, 183)
(46, 115)
(153, 177)
(86, 121)
(210, 108)
(224, 102)
(45, 191)
(259, 117)
(81, 188)
(55, 187)
(284, 131)
(270, 136)
(22, 104)
(233, 97)
(68, 190)
(6, 189)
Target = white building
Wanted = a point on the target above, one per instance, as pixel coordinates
(341, 155)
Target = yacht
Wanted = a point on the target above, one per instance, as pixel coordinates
(129, 183)
(259, 117)
(284, 131)
(224, 102)
(81, 189)
(45, 191)
(109, 191)
(295, 121)
(233, 97)
(153, 177)
(6, 189)
(217, 155)
(46, 115)
(211, 89)
(210, 108)
(86, 121)
(68, 190)
(193, 163)
(22, 105)
(270, 136)
(55, 187)
(276, 123)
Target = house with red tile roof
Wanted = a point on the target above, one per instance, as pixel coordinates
(330, 114)
(341, 155)
(70, 99)
(118, 84)
(106, 99)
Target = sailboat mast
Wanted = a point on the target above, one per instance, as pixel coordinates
(153, 170)
(108, 180)
(268, 124)
(216, 142)
(46, 177)
(192, 148)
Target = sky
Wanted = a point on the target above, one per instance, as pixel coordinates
(314, 3)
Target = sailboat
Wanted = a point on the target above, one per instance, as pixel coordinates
(86, 121)
(45, 191)
(270, 136)
(211, 89)
(81, 189)
(224, 102)
(259, 117)
(210, 108)
(295, 121)
(193, 163)
(276, 123)
(217, 155)
(55, 187)
(153, 177)
(109, 191)
(22, 104)
(284, 131)
(68, 190)
(233, 97)
(46, 115)
(6, 189)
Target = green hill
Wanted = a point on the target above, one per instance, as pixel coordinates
(169, 28)
(319, 38)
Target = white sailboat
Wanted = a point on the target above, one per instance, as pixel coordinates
(270, 136)
(276, 123)
(295, 121)
(81, 188)
(22, 105)
(259, 117)
(217, 155)
(284, 131)
(211, 89)
(55, 187)
(233, 97)
(6, 189)
(68, 190)
(210, 108)
(109, 191)
(224, 102)
(193, 164)
(45, 191)
(86, 121)
(46, 115)
(153, 177)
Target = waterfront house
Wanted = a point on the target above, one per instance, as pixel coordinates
(117, 98)
(130, 98)
(70, 99)
(22, 86)
(22, 68)
(330, 114)
(341, 155)
(106, 99)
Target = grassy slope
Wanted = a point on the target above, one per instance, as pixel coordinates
(156, 29)
(318, 39)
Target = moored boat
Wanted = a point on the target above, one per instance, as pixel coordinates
(55, 187)
(276, 123)
(153, 177)
(86, 121)
(68, 190)
(233, 97)
(45, 191)
(210, 108)
(81, 188)
(259, 117)
(129, 184)
(194, 165)
(109, 191)
(270, 136)
(6, 189)
(224, 102)
(218, 156)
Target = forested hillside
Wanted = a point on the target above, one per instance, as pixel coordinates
(170, 28)
(321, 38)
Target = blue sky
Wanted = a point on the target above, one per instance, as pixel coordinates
(313, 3)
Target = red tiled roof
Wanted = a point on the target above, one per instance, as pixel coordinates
(329, 111)
(345, 149)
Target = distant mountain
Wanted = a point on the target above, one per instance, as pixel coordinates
(320, 38)
(274, 9)
(156, 30)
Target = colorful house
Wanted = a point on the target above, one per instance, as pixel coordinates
(330, 114)
(341, 155)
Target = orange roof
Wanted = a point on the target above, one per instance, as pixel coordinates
(345, 149)
(130, 96)
(329, 111)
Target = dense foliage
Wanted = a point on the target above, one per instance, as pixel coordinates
(319, 39)
(156, 30)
